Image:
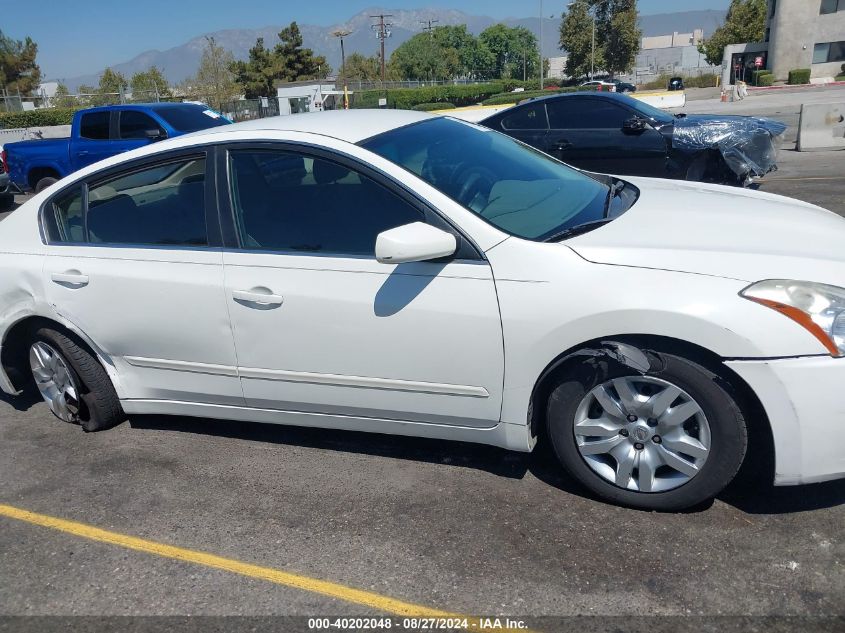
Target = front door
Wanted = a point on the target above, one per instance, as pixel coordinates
(588, 133)
(131, 263)
(321, 327)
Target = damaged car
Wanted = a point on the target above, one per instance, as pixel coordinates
(616, 134)
(401, 273)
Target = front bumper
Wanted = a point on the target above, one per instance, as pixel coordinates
(806, 410)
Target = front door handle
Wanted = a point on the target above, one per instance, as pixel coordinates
(71, 278)
(561, 146)
(83, 152)
(258, 297)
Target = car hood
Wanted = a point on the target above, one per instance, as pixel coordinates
(720, 231)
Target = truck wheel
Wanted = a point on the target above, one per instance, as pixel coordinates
(45, 182)
(6, 201)
(666, 440)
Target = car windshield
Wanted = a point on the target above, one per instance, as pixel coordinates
(655, 114)
(512, 186)
(191, 118)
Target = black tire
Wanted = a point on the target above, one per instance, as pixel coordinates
(99, 406)
(45, 182)
(728, 442)
(6, 201)
(698, 168)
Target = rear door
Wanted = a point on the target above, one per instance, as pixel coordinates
(588, 132)
(134, 261)
(93, 140)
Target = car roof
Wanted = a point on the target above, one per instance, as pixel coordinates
(351, 126)
(613, 96)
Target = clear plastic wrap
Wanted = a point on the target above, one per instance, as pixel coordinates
(749, 145)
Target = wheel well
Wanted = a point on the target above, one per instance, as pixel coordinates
(14, 352)
(760, 439)
(37, 173)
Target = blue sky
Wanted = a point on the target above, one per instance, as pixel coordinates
(81, 36)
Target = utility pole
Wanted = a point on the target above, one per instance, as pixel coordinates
(541, 44)
(382, 30)
(429, 26)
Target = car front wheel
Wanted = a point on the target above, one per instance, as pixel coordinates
(664, 440)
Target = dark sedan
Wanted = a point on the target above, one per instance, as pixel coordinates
(613, 133)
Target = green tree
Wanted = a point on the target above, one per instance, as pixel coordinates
(622, 38)
(214, 81)
(514, 51)
(62, 98)
(258, 73)
(149, 83)
(576, 38)
(18, 70)
(744, 22)
(87, 95)
(474, 58)
(295, 62)
(360, 68)
(423, 57)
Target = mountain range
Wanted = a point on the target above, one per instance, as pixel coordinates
(181, 62)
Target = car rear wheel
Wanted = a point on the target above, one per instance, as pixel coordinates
(72, 382)
(666, 440)
(45, 182)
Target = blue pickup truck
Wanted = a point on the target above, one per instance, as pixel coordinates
(98, 133)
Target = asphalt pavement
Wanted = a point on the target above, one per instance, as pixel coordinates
(446, 526)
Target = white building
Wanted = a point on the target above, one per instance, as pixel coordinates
(308, 96)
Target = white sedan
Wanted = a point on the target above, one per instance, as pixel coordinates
(395, 272)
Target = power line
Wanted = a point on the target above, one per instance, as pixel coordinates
(429, 26)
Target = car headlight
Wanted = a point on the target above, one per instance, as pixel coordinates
(818, 308)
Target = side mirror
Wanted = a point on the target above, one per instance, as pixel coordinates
(416, 242)
(634, 124)
(154, 135)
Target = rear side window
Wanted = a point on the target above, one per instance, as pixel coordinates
(95, 126)
(64, 218)
(163, 205)
(527, 117)
(134, 125)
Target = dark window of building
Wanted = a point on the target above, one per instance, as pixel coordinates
(832, 6)
(95, 126)
(286, 201)
(774, 7)
(826, 52)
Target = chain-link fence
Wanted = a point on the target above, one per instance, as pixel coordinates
(18, 102)
(249, 109)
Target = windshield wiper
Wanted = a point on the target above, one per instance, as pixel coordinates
(614, 188)
(572, 231)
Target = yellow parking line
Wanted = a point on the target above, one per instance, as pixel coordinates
(296, 581)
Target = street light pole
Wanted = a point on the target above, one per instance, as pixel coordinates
(593, 54)
(541, 44)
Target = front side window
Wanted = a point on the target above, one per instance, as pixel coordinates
(135, 125)
(287, 201)
(512, 186)
(585, 114)
(95, 126)
(159, 206)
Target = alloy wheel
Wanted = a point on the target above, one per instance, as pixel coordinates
(55, 381)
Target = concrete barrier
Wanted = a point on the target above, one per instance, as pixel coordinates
(662, 99)
(821, 127)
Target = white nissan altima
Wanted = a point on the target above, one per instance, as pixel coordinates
(400, 273)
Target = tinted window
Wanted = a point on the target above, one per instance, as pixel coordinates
(63, 217)
(162, 205)
(191, 118)
(287, 201)
(531, 116)
(95, 125)
(512, 186)
(135, 124)
(585, 114)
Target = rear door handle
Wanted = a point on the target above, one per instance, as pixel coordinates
(261, 297)
(70, 278)
(561, 146)
(83, 152)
